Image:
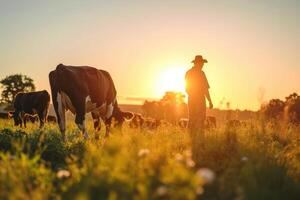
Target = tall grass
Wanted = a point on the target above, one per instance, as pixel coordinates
(253, 161)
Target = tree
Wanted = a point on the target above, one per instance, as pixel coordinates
(274, 109)
(293, 107)
(152, 109)
(288, 109)
(171, 107)
(14, 84)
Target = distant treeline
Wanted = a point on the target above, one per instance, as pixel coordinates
(288, 110)
(172, 107)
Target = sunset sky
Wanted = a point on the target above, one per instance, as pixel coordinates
(252, 47)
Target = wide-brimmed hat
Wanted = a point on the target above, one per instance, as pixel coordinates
(199, 59)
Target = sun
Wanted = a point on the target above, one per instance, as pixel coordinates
(171, 79)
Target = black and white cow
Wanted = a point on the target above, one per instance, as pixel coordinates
(138, 121)
(84, 89)
(210, 122)
(30, 104)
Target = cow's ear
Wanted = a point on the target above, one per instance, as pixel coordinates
(10, 114)
(127, 115)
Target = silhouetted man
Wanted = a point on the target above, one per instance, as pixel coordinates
(197, 89)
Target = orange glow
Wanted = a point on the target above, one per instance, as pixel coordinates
(171, 79)
(147, 46)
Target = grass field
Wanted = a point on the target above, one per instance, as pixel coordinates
(254, 161)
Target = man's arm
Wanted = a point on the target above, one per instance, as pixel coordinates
(207, 95)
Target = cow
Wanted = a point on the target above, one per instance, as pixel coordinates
(30, 103)
(152, 123)
(138, 121)
(34, 118)
(234, 123)
(183, 122)
(84, 89)
(30, 118)
(27, 118)
(210, 122)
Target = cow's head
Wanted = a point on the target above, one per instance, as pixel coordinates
(16, 116)
(118, 117)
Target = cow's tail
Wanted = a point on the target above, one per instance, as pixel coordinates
(55, 83)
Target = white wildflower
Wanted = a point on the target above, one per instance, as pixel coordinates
(143, 152)
(178, 157)
(206, 174)
(244, 159)
(190, 162)
(63, 174)
(199, 190)
(162, 190)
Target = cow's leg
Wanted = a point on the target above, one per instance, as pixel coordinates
(44, 116)
(80, 117)
(214, 123)
(107, 130)
(107, 127)
(41, 115)
(97, 124)
(60, 111)
(24, 122)
(80, 121)
(23, 118)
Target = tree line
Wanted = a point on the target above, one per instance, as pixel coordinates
(170, 107)
(288, 109)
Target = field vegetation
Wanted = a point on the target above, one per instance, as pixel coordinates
(255, 160)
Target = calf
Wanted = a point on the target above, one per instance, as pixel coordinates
(234, 123)
(137, 121)
(152, 123)
(210, 122)
(30, 103)
(183, 122)
(31, 118)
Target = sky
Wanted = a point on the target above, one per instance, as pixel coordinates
(252, 47)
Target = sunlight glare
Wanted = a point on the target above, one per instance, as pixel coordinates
(171, 79)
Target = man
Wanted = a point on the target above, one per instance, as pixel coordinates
(197, 88)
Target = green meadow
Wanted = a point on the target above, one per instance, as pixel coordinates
(256, 160)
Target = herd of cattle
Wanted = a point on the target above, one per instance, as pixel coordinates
(81, 90)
